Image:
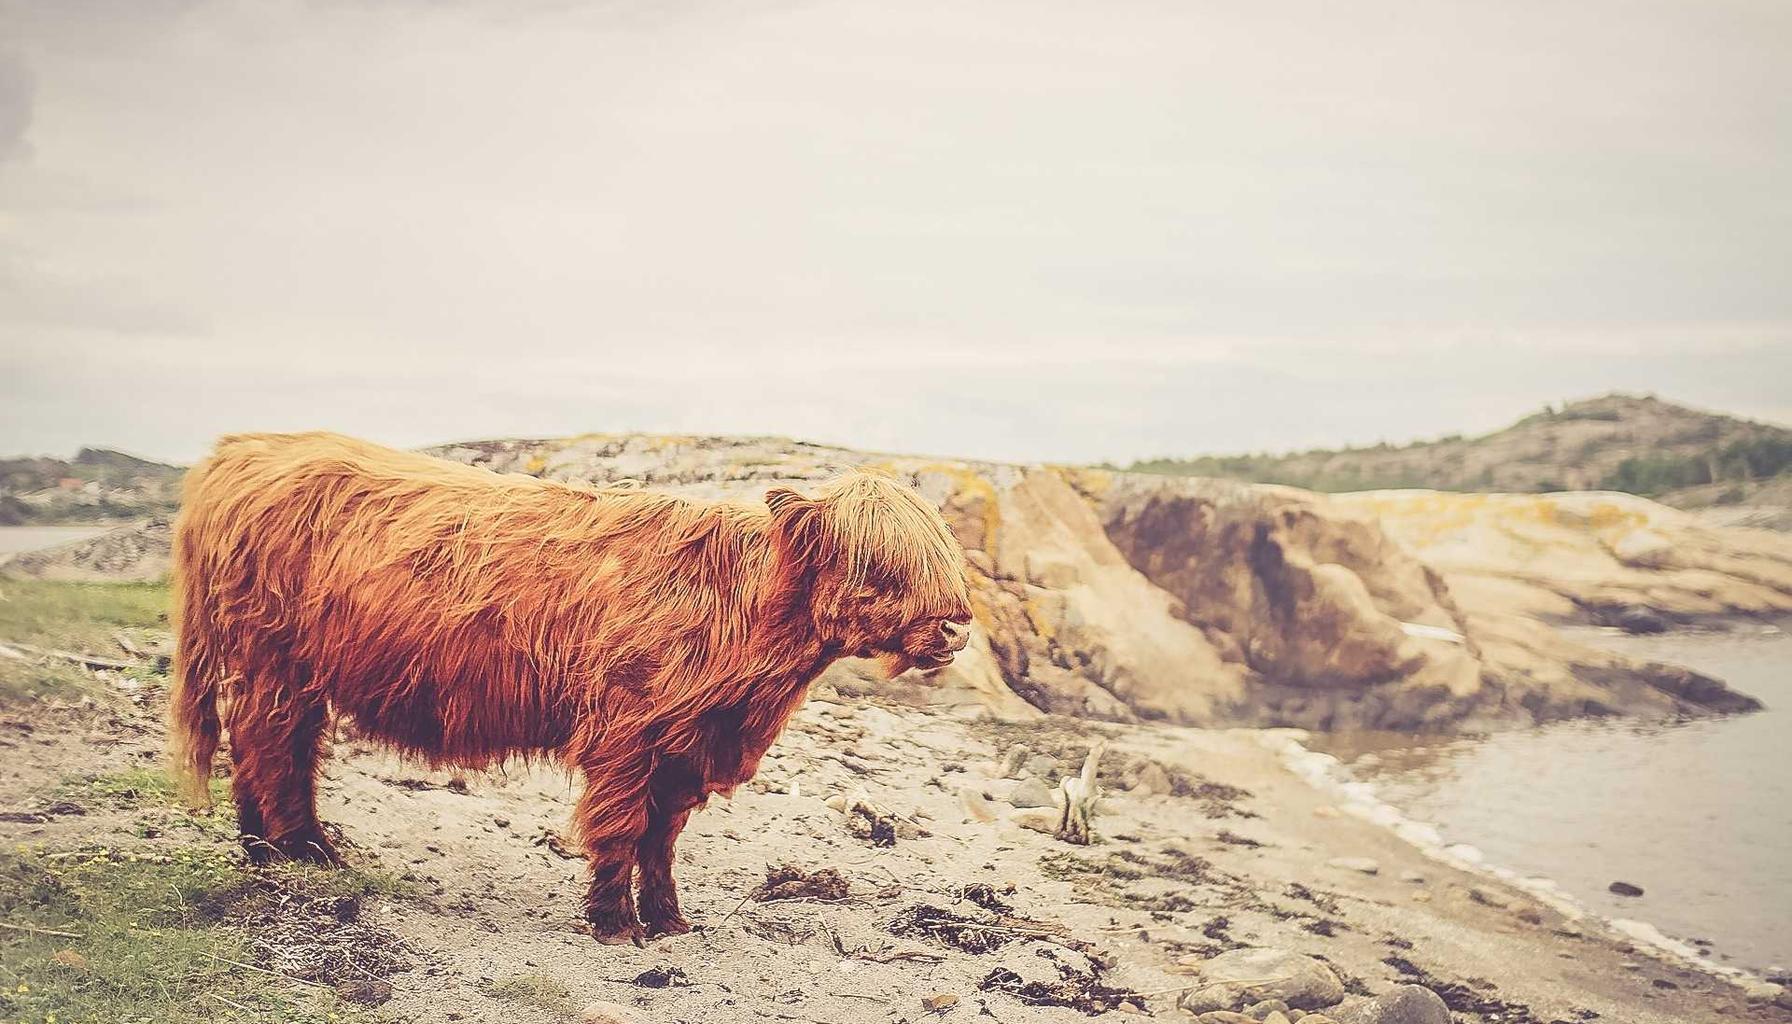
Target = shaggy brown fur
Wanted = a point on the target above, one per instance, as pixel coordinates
(653, 644)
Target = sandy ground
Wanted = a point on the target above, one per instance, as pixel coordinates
(1174, 877)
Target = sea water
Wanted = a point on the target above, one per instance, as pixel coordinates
(1697, 813)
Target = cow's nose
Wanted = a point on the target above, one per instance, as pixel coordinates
(954, 632)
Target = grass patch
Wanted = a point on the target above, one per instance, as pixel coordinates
(531, 989)
(150, 936)
(154, 790)
(136, 787)
(84, 618)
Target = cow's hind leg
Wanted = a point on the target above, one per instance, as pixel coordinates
(275, 743)
(676, 791)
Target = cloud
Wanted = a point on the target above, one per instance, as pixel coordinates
(1040, 230)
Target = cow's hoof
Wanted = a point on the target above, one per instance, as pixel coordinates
(673, 925)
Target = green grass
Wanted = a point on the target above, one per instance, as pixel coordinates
(83, 618)
(149, 937)
(154, 790)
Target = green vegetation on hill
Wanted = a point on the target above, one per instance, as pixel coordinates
(1616, 442)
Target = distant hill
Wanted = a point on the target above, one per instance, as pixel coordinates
(96, 486)
(1642, 445)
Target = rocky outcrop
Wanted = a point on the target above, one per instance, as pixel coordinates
(1125, 596)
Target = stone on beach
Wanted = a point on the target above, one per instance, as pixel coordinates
(1366, 865)
(1406, 1004)
(1031, 793)
(1244, 977)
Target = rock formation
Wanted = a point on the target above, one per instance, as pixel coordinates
(1128, 596)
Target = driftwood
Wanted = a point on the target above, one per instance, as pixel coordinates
(1081, 793)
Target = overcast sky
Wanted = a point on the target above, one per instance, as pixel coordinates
(1018, 230)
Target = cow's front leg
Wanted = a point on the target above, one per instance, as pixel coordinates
(611, 820)
(676, 791)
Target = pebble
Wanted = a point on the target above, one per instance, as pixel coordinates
(1625, 889)
(976, 806)
(1262, 1010)
(1031, 793)
(1152, 781)
(1366, 865)
(1414, 877)
(1762, 991)
(1038, 820)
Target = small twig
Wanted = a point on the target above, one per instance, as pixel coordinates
(229, 1003)
(261, 970)
(34, 930)
(85, 660)
(725, 917)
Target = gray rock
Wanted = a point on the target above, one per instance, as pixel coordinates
(1407, 1004)
(1235, 978)
(1042, 766)
(1366, 865)
(1031, 793)
(1262, 1010)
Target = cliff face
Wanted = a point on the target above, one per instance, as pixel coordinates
(1130, 596)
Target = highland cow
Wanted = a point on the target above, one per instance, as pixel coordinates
(654, 645)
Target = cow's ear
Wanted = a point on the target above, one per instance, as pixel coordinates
(797, 520)
(785, 502)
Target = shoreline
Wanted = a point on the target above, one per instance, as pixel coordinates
(1329, 775)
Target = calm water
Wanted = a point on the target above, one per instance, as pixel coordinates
(1699, 814)
(17, 539)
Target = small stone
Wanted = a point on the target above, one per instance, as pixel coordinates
(939, 1003)
(1366, 865)
(1042, 766)
(1761, 991)
(605, 1013)
(1625, 889)
(1404, 1004)
(1152, 780)
(501, 822)
(1038, 820)
(976, 806)
(1277, 1018)
(1031, 793)
(1262, 1010)
(1014, 762)
(1530, 915)
(1412, 877)
(1225, 1017)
